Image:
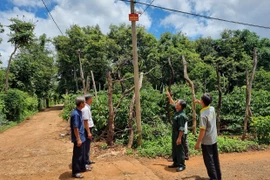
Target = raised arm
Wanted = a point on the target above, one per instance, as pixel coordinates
(170, 97)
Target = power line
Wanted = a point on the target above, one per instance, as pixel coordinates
(147, 7)
(202, 16)
(52, 17)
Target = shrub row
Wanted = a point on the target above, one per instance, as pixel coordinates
(16, 105)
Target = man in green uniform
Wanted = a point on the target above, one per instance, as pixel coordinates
(178, 129)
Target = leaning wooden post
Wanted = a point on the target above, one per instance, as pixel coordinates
(95, 88)
(130, 118)
(193, 95)
(111, 112)
(81, 71)
(248, 113)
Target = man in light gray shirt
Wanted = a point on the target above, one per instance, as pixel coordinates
(208, 137)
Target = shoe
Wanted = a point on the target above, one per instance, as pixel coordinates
(173, 166)
(78, 175)
(92, 162)
(88, 167)
(186, 158)
(180, 169)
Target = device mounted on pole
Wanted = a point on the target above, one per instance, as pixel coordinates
(133, 17)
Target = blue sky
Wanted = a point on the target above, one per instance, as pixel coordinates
(156, 21)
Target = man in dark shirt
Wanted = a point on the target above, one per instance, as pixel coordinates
(178, 139)
(78, 138)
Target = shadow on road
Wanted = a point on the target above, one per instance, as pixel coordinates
(53, 108)
(65, 176)
(195, 177)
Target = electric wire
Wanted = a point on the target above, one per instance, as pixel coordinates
(199, 15)
(147, 7)
(52, 17)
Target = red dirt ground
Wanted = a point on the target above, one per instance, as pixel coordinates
(35, 150)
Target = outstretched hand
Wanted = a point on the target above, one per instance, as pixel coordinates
(197, 101)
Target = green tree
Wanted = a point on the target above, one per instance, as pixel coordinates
(264, 54)
(21, 35)
(2, 72)
(1, 31)
(91, 45)
(33, 69)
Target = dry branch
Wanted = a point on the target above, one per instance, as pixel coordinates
(249, 81)
(193, 95)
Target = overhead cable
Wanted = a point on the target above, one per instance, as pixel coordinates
(52, 17)
(199, 15)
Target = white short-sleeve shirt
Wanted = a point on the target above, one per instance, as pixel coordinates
(87, 115)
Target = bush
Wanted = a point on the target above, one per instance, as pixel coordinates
(261, 126)
(18, 105)
(161, 145)
(3, 119)
(69, 105)
(226, 144)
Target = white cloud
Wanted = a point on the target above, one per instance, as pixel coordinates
(107, 12)
(183, 5)
(67, 13)
(249, 11)
(31, 3)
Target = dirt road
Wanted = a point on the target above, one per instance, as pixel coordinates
(35, 150)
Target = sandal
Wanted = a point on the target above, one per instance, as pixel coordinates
(88, 168)
(78, 175)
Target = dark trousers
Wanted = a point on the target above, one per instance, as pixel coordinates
(211, 161)
(87, 148)
(178, 154)
(78, 164)
(186, 146)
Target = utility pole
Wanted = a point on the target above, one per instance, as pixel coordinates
(136, 72)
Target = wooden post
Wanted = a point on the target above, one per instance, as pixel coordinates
(130, 119)
(219, 100)
(95, 88)
(193, 95)
(81, 72)
(136, 77)
(111, 112)
(249, 81)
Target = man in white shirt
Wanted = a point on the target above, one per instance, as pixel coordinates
(88, 125)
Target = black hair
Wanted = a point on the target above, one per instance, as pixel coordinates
(88, 96)
(206, 98)
(182, 103)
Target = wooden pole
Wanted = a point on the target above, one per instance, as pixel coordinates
(193, 95)
(95, 88)
(136, 77)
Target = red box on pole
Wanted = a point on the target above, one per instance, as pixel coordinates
(133, 17)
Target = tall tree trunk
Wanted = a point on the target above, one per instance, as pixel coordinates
(87, 83)
(7, 71)
(131, 116)
(249, 82)
(193, 95)
(47, 102)
(76, 79)
(111, 112)
(169, 89)
(219, 100)
(82, 74)
(94, 83)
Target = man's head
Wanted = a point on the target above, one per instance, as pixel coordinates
(88, 99)
(206, 99)
(180, 104)
(80, 102)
